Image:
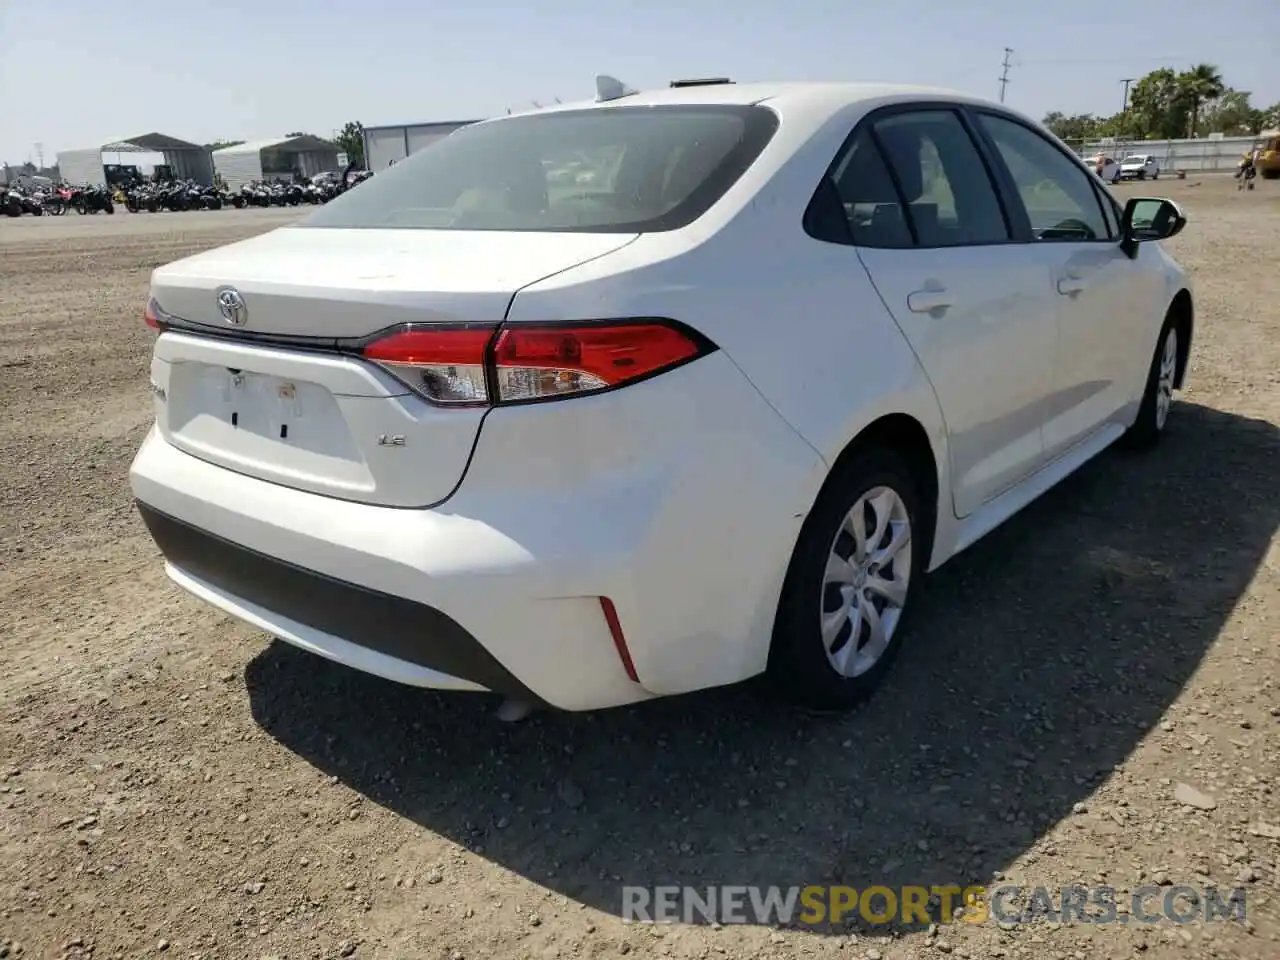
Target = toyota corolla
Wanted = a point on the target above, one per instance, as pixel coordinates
(710, 408)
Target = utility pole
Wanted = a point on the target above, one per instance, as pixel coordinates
(40, 154)
(1126, 81)
(1004, 76)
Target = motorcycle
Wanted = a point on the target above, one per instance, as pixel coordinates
(90, 199)
(141, 197)
(57, 201)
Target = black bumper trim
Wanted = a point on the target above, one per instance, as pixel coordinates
(394, 626)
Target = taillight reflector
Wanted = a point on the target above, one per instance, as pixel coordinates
(468, 366)
(619, 640)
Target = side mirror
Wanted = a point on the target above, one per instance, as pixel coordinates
(1149, 218)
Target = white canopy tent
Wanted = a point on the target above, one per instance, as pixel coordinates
(188, 161)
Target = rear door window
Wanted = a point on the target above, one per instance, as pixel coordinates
(868, 196)
(950, 198)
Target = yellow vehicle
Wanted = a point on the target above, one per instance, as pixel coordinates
(1269, 160)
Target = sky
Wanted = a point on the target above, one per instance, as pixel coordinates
(77, 73)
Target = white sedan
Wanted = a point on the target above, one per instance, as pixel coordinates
(1139, 166)
(714, 416)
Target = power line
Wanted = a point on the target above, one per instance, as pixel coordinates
(1004, 76)
(1074, 61)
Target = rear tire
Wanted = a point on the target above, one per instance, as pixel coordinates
(846, 597)
(1157, 398)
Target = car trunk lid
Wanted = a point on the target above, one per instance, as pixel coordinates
(271, 396)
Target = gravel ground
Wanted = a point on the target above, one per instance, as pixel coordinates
(1082, 684)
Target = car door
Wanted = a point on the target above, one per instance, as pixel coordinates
(975, 305)
(1100, 293)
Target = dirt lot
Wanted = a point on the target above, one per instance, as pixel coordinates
(173, 782)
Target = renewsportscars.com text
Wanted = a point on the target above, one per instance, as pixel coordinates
(815, 905)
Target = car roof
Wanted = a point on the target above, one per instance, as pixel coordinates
(806, 97)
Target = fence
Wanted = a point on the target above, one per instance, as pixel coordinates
(1191, 156)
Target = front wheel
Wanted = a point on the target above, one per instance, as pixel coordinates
(1157, 398)
(855, 570)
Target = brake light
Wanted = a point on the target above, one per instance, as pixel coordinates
(152, 315)
(467, 366)
(445, 365)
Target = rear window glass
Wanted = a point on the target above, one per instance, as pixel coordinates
(608, 170)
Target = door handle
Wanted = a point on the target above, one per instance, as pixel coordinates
(1073, 280)
(929, 301)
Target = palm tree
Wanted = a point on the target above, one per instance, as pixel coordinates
(1200, 85)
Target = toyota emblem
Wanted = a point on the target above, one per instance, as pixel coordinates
(232, 307)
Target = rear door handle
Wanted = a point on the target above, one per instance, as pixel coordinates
(1074, 280)
(929, 301)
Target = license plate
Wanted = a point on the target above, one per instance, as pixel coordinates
(263, 404)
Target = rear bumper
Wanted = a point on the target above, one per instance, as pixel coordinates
(402, 594)
(390, 636)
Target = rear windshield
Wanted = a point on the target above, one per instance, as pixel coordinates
(606, 170)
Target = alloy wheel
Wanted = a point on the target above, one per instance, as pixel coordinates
(866, 580)
(1165, 378)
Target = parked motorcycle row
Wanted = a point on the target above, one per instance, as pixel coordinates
(174, 195)
(280, 193)
(15, 200)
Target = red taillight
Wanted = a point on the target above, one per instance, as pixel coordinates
(152, 315)
(533, 363)
(444, 365)
(458, 366)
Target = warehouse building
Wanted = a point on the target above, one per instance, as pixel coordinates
(385, 145)
(282, 157)
(186, 161)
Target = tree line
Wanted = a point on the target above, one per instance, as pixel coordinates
(1168, 105)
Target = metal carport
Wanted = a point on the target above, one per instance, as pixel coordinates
(189, 161)
(282, 156)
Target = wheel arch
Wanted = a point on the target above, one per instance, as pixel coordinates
(906, 436)
(896, 432)
(1182, 314)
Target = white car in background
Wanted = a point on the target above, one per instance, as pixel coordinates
(1139, 166)
(713, 418)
